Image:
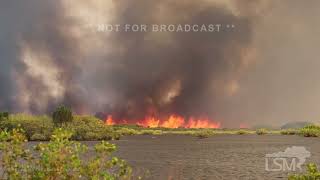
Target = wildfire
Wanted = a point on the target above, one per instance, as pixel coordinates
(173, 121)
(202, 123)
(109, 120)
(150, 122)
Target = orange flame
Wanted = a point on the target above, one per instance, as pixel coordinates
(150, 122)
(109, 121)
(173, 121)
(202, 123)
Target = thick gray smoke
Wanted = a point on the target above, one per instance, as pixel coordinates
(183, 73)
(49, 56)
(35, 26)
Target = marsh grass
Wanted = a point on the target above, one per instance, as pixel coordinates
(204, 134)
(127, 131)
(151, 132)
(40, 128)
(289, 132)
(244, 132)
(30, 124)
(261, 131)
(310, 131)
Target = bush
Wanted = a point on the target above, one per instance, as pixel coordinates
(127, 131)
(289, 132)
(261, 131)
(39, 128)
(203, 134)
(62, 115)
(151, 132)
(4, 116)
(189, 132)
(310, 131)
(38, 137)
(90, 128)
(58, 159)
(242, 132)
(312, 174)
(30, 124)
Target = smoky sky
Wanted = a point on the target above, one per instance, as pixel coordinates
(249, 74)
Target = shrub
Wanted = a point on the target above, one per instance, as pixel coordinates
(62, 115)
(39, 128)
(90, 128)
(4, 116)
(38, 137)
(12, 151)
(151, 132)
(30, 124)
(58, 159)
(189, 132)
(289, 132)
(312, 174)
(203, 134)
(261, 131)
(310, 131)
(242, 132)
(127, 131)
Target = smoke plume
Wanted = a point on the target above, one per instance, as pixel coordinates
(51, 55)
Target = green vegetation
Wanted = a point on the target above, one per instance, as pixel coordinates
(243, 132)
(312, 174)
(150, 132)
(310, 131)
(261, 131)
(58, 159)
(289, 131)
(127, 131)
(62, 115)
(4, 116)
(32, 125)
(204, 134)
(88, 128)
(40, 128)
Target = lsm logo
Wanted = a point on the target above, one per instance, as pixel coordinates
(289, 160)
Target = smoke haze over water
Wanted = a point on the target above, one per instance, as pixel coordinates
(261, 72)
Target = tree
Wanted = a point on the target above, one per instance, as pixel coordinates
(62, 115)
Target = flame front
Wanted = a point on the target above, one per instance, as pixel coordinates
(150, 122)
(202, 123)
(109, 121)
(173, 121)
